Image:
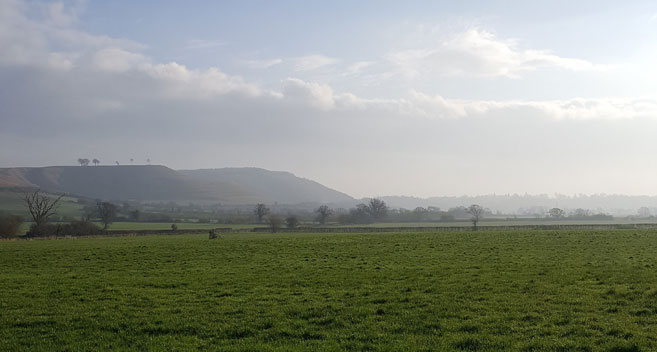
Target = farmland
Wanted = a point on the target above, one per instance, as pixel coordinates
(517, 290)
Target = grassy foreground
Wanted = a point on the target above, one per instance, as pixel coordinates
(519, 290)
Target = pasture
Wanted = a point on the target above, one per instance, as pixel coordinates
(492, 291)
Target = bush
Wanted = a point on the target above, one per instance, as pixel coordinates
(174, 227)
(291, 222)
(9, 225)
(74, 228)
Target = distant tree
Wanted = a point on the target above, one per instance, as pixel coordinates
(96, 162)
(581, 213)
(644, 212)
(148, 161)
(275, 222)
(9, 225)
(476, 213)
(359, 215)
(174, 227)
(41, 207)
(323, 213)
(117, 163)
(260, 212)
(131, 160)
(106, 212)
(557, 213)
(377, 208)
(83, 162)
(420, 213)
(135, 215)
(291, 222)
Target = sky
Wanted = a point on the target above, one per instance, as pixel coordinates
(418, 98)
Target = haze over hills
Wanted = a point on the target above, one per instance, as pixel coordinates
(249, 185)
(271, 186)
(160, 183)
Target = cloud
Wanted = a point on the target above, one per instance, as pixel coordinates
(262, 64)
(63, 90)
(480, 54)
(312, 62)
(202, 44)
(358, 67)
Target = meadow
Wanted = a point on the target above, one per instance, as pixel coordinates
(487, 290)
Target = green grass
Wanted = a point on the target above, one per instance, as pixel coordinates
(491, 291)
(12, 202)
(158, 226)
(167, 226)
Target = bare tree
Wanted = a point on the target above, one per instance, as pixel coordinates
(96, 162)
(476, 213)
(556, 213)
(260, 211)
(275, 222)
(377, 208)
(41, 207)
(106, 212)
(323, 213)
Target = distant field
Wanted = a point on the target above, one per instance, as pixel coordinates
(511, 222)
(12, 203)
(167, 226)
(486, 290)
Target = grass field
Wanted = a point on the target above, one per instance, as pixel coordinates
(494, 291)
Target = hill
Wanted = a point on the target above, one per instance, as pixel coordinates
(160, 183)
(271, 186)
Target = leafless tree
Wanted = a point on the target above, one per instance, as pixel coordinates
(476, 213)
(41, 207)
(644, 212)
(377, 208)
(275, 222)
(323, 212)
(260, 211)
(557, 213)
(106, 212)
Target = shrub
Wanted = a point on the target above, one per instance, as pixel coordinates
(174, 227)
(74, 228)
(291, 222)
(9, 225)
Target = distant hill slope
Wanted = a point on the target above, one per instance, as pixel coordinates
(271, 186)
(159, 183)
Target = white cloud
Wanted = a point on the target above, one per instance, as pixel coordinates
(479, 53)
(115, 59)
(313, 94)
(358, 66)
(262, 64)
(201, 44)
(101, 91)
(312, 62)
